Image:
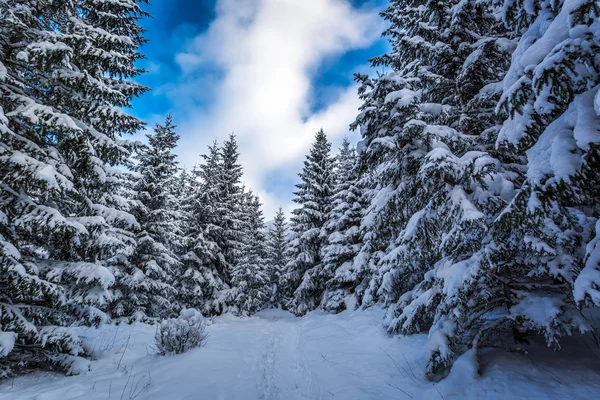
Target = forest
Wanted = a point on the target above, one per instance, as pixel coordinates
(468, 211)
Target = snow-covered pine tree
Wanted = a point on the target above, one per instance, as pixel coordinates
(277, 257)
(544, 244)
(230, 207)
(344, 238)
(64, 69)
(201, 284)
(118, 260)
(393, 141)
(148, 288)
(250, 282)
(303, 277)
(427, 127)
(183, 186)
(183, 189)
(22, 289)
(215, 228)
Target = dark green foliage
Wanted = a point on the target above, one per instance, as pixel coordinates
(65, 75)
(303, 279)
(277, 257)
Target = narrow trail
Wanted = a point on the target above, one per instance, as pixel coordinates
(284, 369)
(267, 385)
(307, 382)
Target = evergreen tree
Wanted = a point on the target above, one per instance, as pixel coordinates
(436, 186)
(201, 283)
(222, 246)
(154, 262)
(542, 245)
(536, 238)
(230, 206)
(64, 80)
(250, 278)
(550, 95)
(344, 236)
(277, 257)
(303, 275)
(183, 185)
(119, 260)
(535, 244)
(390, 154)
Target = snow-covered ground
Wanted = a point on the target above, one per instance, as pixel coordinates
(321, 356)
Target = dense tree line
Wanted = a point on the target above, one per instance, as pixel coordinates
(469, 208)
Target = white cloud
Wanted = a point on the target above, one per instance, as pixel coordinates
(266, 52)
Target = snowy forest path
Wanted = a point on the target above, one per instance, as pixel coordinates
(267, 385)
(276, 356)
(306, 381)
(285, 371)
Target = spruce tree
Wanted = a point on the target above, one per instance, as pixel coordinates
(303, 276)
(230, 207)
(536, 245)
(150, 293)
(250, 276)
(64, 80)
(541, 256)
(436, 186)
(202, 283)
(390, 154)
(183, 186)
(550, 95)
(343, 233)
(277, 257)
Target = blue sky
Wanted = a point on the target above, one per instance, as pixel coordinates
(272, 71)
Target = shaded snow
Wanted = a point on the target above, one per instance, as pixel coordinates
(320, 356)
(541, 310)
(587, 282)
(7, 342)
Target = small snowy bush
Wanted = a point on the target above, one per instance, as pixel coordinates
(178, 335)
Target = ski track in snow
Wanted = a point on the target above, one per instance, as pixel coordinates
(283, 356)
(275, 356)
(307, 382)
(267, 386)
